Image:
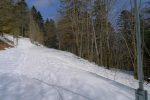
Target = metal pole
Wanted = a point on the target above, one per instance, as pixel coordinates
(141, 94)
(139, 50)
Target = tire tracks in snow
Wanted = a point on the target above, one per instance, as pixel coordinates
(60, 87)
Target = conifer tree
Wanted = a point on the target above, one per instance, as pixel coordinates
(51, 37)
(36, 26)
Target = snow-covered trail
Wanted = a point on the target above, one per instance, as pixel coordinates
(30, 72)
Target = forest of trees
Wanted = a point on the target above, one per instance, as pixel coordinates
(91, 35)
(85, 29)
(17, 19)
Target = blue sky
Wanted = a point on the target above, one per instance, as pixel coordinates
(48, 8)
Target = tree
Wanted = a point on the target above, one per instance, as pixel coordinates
(66, 37)
(36, 26)
(127, 31)
(6, 16)
(146, 40)
(22, 15)
(104, 32)
(100, 27)
(91, 29)
(50, 37)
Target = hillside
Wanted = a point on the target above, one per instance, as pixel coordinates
(3, 45)
(29, 72)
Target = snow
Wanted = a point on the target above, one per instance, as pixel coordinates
(5, 41)
(29, 72)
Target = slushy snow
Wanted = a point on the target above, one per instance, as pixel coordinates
(30, 72)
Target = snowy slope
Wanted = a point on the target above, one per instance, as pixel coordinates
(29, 72)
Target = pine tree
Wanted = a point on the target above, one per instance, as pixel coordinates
(51, 37)
(36, 26)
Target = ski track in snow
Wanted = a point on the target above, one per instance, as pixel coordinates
(29, 72)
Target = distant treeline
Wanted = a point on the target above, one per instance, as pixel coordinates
(85, 29)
